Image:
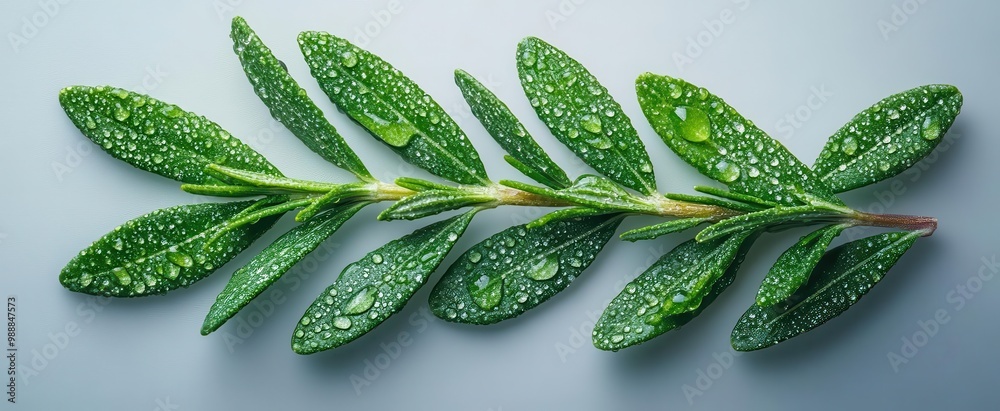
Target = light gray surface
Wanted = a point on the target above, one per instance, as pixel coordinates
(60, 194)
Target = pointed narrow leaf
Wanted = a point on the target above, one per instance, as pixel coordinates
(842, 277)
(661, 229)
(723, 145)
(268, 266)
(635, 316)
(565, 214)
(716, 201)
(582, 115)
(888, 137)
(740, 197)
(161, 251)
(430, 202)
(793, 267)
(370, 290)
(155, 136)
(392, 107)
(590, 190)
(289, 103)
(769, 217)
(509, 132)
(518, 269)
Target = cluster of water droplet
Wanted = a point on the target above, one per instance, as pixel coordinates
(157, 252)
(888, 137)
(156, 136)
(711, 136)
(392, 107)
(517, 269)
(580, 113)
(372, 289)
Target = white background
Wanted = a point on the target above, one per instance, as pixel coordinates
(60, 193)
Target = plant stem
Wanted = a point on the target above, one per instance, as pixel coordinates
(926, 225)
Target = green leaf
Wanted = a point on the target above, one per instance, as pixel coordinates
(769, 217)
(888, 137)
(289, 103)
(392, 107)
(582, 115)
(661, 229)
(430, 202)
(370, 290)
(590, 190)
(793, 267)
(155, 136)
(510, 133)
(161, 251)
(842, 277)
(712, 137)
(636, 315)
(715, 201)
(268, 266)
(565, 214)
(739, 197)
(518, 269)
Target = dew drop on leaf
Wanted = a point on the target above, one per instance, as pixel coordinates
(342, 323)
(180, 259)
(591, 123)
(931, 128)
(545, 268)
(695, 125)
(361, 302)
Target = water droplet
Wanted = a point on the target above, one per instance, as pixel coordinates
(348, 59)
(727, 172)
(361, 302)
(617, 338)
(600, 143)
(342, 323)
(118, 244)
(528, 59)
(849, 146)
(121, 114)
(377, 258)
(452, 236)
(122, 275)
(573, 133)
(180, 259)
(91, 124)
(172, 271)
(695, 125)
(591, 123)
(753, 172)
(474, 257)
(931, 129)
(545, 268)
(85, 279)
(486, 291)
